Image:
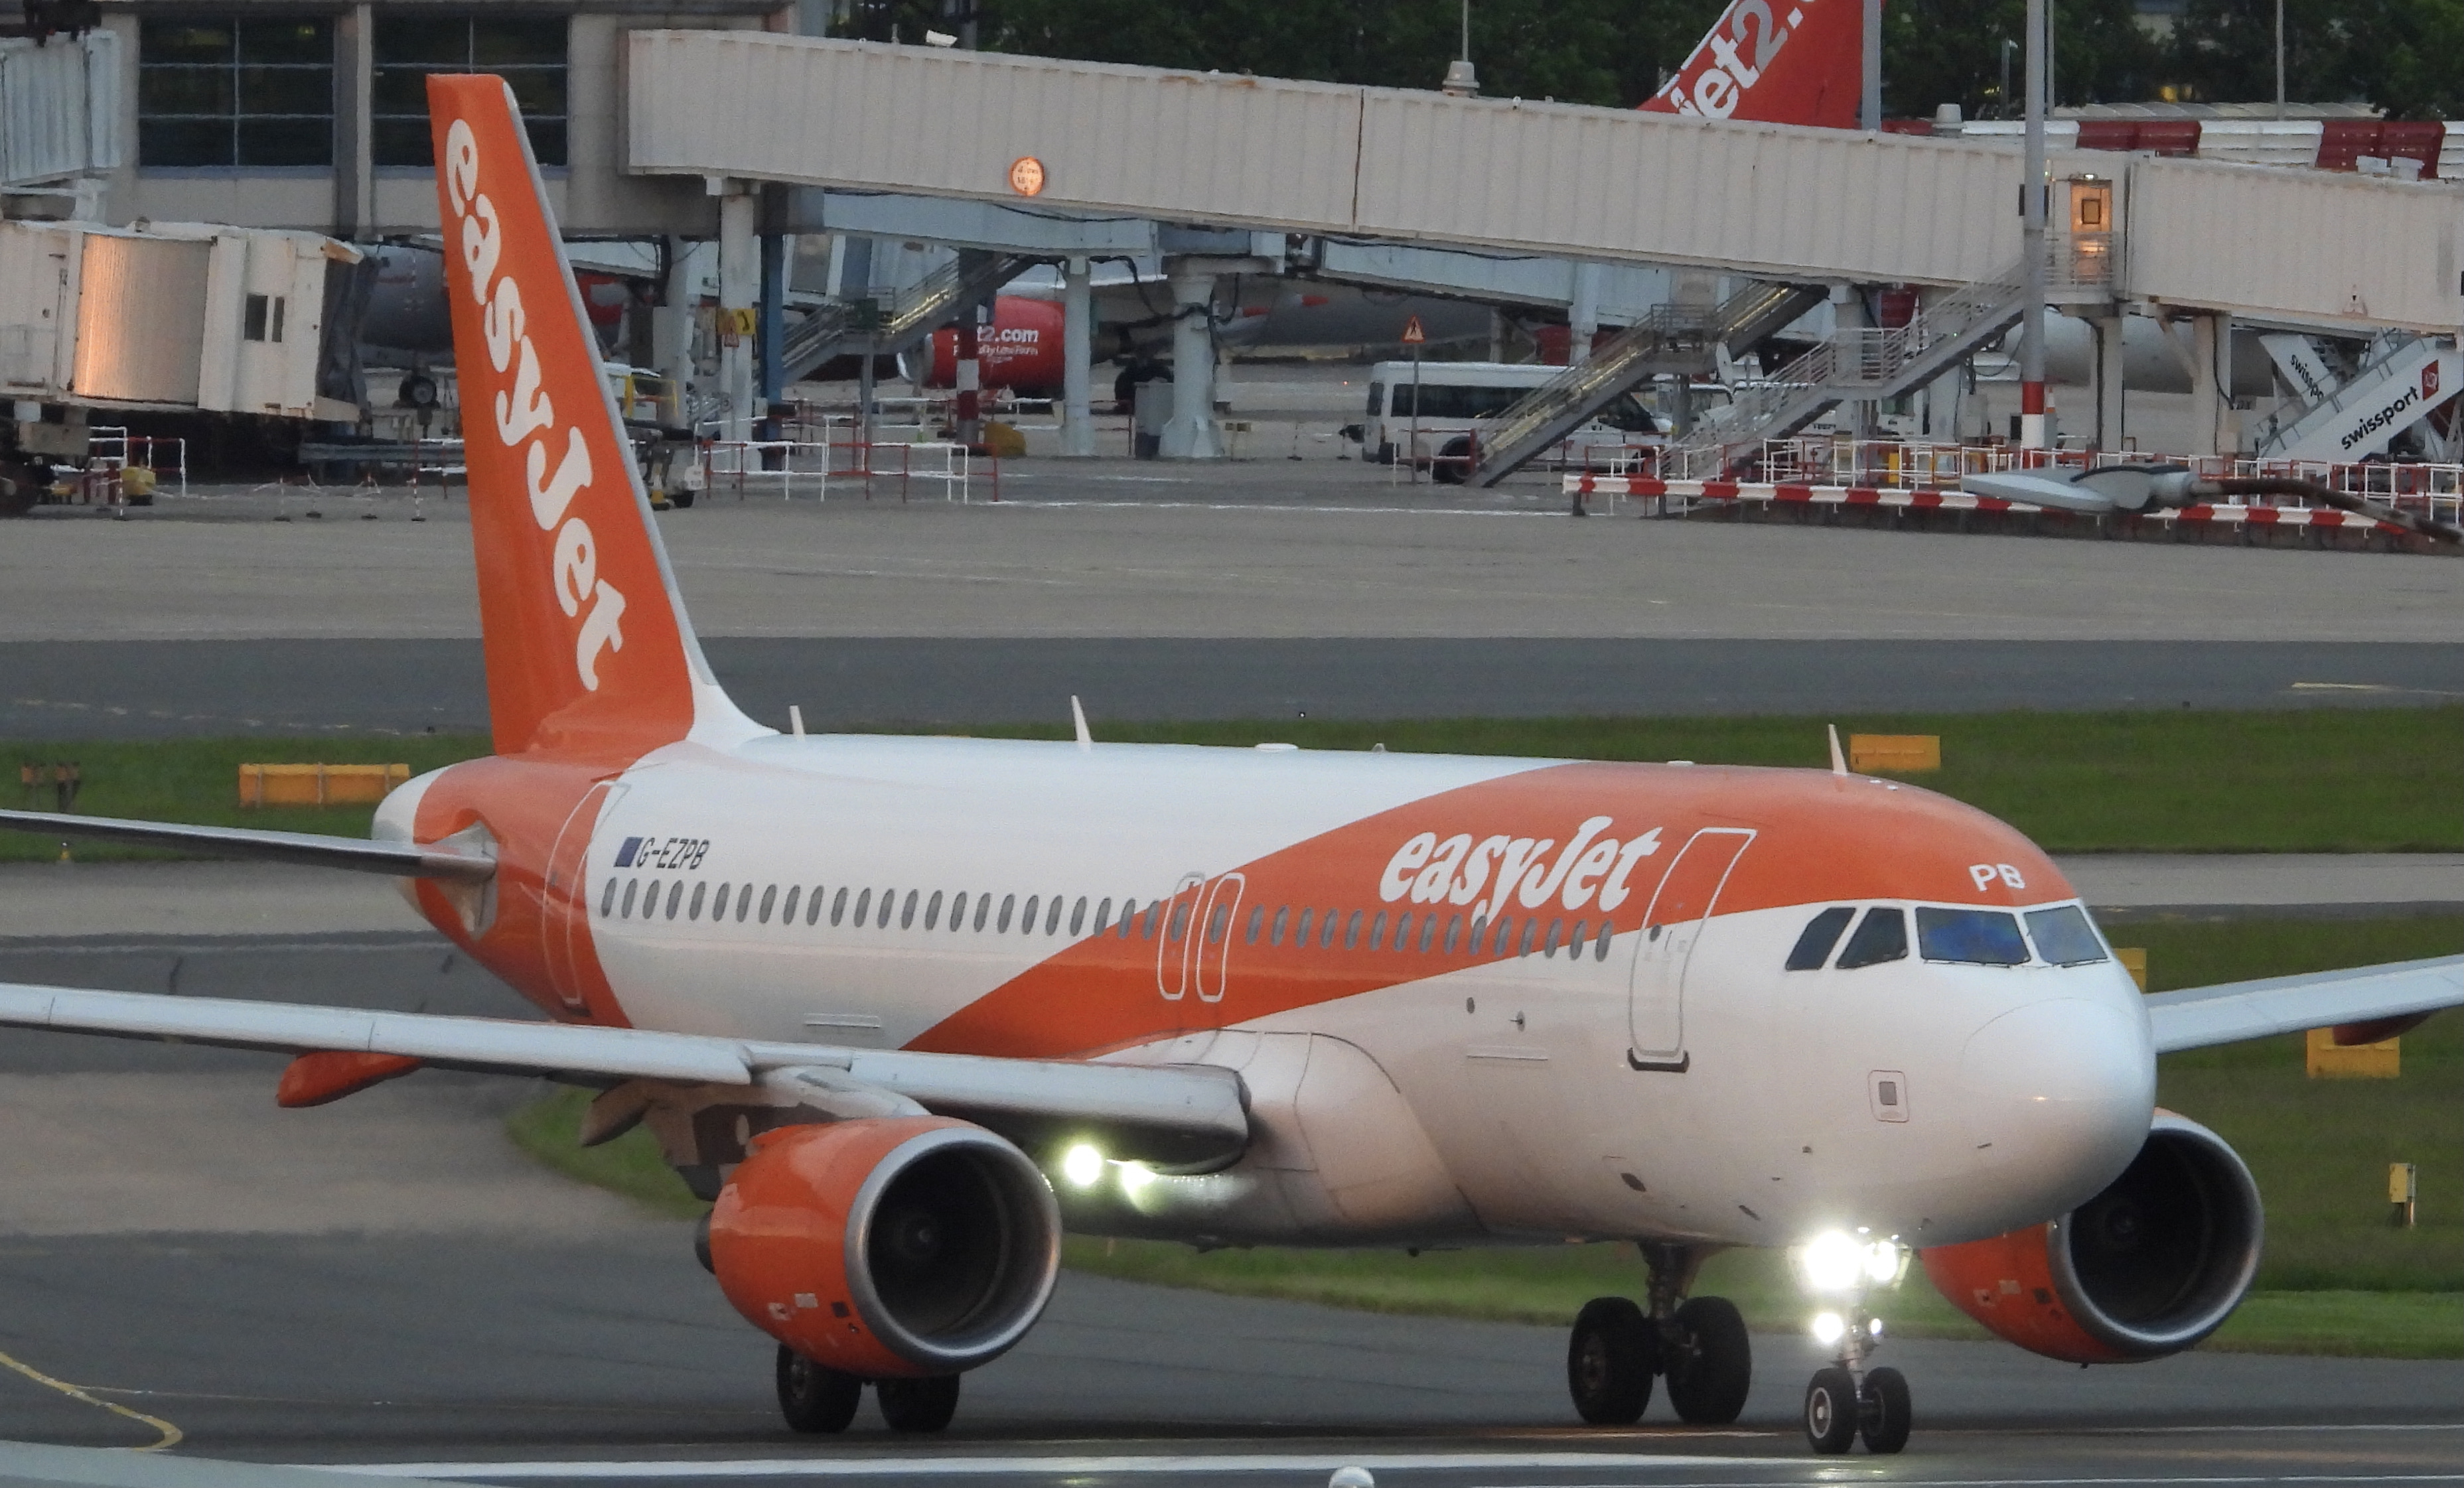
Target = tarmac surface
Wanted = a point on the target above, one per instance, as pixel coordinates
(81, 689)
(387, 1283)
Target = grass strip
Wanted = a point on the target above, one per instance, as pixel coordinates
(548, 1129)
(2310, 780)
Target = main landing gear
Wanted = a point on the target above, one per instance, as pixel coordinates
(818, 1399)
(1698, 1347)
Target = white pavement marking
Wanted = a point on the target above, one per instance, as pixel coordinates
(1019, 1466)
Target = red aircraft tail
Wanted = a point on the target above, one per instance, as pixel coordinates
(1774, 62)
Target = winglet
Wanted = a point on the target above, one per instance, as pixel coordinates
(1078, 718)
(1839, 761)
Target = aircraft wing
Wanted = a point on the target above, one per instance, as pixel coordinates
(2230, 1011)
(1177, 1113)
(400, 859)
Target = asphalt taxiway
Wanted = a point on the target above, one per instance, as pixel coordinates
(386, 1284)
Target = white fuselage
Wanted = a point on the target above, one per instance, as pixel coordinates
(1423, 1094)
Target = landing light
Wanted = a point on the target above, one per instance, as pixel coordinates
(1827, 1329)
(1832, 1263)
(1835, 1261)
(1136, 1176)
(1083, 1165)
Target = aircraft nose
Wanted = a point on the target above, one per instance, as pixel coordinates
(2059, 1095)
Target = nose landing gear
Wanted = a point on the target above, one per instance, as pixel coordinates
(1839, 1408)
(1845, 1399)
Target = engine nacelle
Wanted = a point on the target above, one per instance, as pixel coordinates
(890, 1248)
(2148, 1267)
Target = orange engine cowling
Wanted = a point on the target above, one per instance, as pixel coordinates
(890, 1248)
(2148, 1267)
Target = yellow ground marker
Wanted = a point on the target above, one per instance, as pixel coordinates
(172, 1435)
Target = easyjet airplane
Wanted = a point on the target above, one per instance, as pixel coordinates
(906, 1009)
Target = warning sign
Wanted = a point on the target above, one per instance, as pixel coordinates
(1413, 335)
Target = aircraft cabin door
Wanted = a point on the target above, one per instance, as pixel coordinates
(564, 907)
(1656, 995)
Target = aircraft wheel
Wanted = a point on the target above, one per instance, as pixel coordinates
(814, 1398)
(1884, 1411)
(923, 1404)
(1831, 1411)
(1609, 1361)
(1712, 1364)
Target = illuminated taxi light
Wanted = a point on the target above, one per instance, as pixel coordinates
(1827, 1329)
(1874, 1327)
(1083, 1165)
(1882, 1262)
(1136, 1176)
(1832, 1263)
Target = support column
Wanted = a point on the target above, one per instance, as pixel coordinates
(1847, 334)
(354, 57)
(772, 383)
(2031, 238)
(2206, 412)
(671, 329)
(1583, 316)
(2228, 417)
(1191, 434)
(968, 416)
(739, 283)
(1077, 360)
(2109, 430)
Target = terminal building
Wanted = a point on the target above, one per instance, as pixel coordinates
(689, 144)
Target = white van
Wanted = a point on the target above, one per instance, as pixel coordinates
(1460, 400)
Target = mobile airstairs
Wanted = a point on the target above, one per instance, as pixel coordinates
(1853, 366)
(1682, 340)
(2402, 378)
(837, 329)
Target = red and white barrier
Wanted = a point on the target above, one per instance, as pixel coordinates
(1925, 499)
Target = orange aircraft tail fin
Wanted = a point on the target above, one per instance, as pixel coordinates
(588, 647)
(1774, 62)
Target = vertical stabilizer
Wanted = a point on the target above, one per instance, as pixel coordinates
(1774, 62)
(588, 646)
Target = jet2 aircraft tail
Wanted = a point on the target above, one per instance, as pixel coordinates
(1774, 62)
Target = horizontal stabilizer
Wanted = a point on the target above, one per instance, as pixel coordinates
(2230, 1011)
(400, 860)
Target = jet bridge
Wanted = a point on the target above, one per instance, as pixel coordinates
(2346, 254)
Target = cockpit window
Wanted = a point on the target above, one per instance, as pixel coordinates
(2064, 937)
(1977, 937)
(1882, 935)
(1821, 933)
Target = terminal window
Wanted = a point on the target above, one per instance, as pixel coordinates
(224, 91)
(526, 51)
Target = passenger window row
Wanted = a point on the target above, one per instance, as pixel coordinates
(634, 899)
(670, 899)
(2063, 937)
(1334, 926)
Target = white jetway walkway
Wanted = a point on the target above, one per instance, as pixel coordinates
(2345, 254)
(2341, 254)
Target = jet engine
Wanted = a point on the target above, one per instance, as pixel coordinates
(887, 1247)
(2147, 1268)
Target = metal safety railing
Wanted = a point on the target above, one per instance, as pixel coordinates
(794, 465)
